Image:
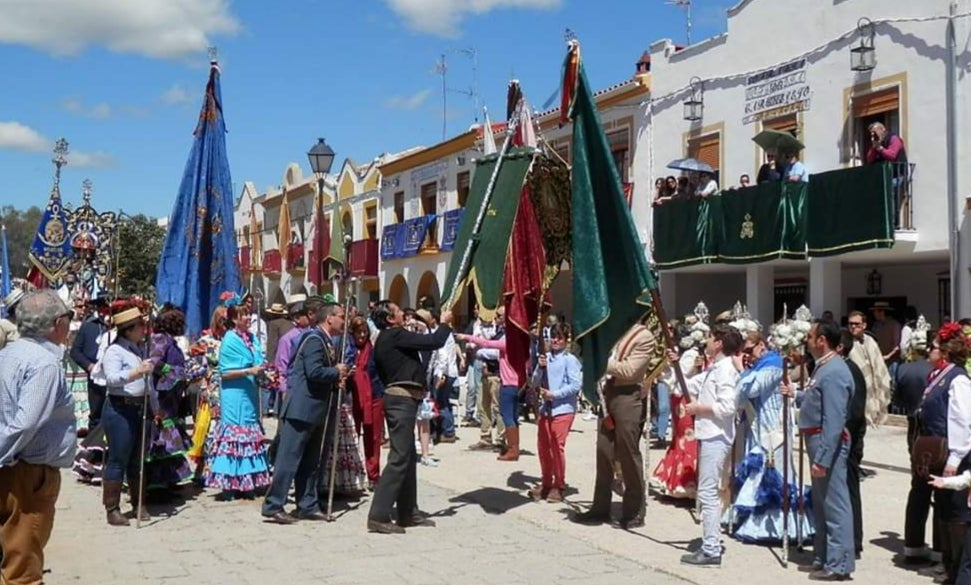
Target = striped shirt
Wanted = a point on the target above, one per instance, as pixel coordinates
(37, 423)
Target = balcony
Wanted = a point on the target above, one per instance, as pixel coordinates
(364, 258)
(272, 262)
(295, 260)
(244, 258)
(836, 212)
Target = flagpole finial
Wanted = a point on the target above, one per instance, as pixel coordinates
(213, 55)
(59, 160)
(86, 187)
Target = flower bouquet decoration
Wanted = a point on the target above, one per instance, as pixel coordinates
(696, 328)
(789, 335)
(742, 320)
(918, 339)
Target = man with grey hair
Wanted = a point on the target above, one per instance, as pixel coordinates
(37, 433)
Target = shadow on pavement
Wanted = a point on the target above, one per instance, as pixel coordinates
(493, 500)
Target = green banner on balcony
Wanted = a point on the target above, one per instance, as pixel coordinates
(686, 232)
(849, 210)
(762, 223)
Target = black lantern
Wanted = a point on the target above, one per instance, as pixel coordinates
(864, 57)
(694, 107)
(874, 283)
(321, 157)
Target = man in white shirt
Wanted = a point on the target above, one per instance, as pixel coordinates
(713, 406)
(442, 371)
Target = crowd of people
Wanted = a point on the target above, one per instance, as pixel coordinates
(165, 412)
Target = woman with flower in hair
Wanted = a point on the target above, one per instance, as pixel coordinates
(945, 414)
(238, 464)
(204, 369)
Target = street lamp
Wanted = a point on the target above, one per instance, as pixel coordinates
(694, 107)
(321, 158)
(864, 57)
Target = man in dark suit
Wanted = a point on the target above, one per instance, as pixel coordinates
(313, 381)
(856, 426)
(84, 352)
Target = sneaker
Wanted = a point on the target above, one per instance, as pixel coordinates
(481, 446)
(700, 559)
(429, 462)
(447, 439)
(589, 416)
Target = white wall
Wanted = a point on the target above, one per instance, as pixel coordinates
(719, 292)
(917, 282)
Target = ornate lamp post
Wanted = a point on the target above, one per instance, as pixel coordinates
(321, 157)
(864, 57)
(694, 107)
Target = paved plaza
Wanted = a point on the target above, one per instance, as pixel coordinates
(488, 532)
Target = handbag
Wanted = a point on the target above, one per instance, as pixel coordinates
(928, 456)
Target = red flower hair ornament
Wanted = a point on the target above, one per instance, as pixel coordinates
(951, 330)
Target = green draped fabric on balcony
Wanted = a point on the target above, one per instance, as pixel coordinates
(764, 222)
(849, 210)
(684, 234)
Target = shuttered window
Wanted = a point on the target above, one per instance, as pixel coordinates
(877, 102)
(787, 123)
(705, 149)
(462, 186)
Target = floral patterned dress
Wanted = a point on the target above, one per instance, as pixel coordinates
(166, 465)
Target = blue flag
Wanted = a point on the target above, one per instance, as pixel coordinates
(51, 250)
(199, 259)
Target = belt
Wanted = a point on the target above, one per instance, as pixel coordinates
(817, 430)
(405, 391)
(127, 400)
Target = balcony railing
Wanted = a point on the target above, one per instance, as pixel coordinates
(364, 258)
(295, 260)
(244, 257)
(272, 262)
(902, 183)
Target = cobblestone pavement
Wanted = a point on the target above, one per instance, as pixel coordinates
(488, 532)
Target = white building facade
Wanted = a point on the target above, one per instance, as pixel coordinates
(785, 65)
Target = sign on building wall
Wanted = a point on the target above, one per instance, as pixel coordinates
(776, 92)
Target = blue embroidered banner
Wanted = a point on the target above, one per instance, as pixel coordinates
(451, 221)
(51, 251)
(415, 230)
(389, 241)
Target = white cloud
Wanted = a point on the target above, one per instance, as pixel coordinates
(17, 136)
(409, 102)
(443, 17)
(176, 96)
(154, 28)
(76, 106)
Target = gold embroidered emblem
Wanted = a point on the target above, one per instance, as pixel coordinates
(748, 228)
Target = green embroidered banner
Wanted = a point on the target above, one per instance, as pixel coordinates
(849, 210)
(762, 223)
(684, 234)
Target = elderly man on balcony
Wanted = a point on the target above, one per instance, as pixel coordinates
(888, 147)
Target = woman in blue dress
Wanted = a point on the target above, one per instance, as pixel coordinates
(238, 464)
(758, 474)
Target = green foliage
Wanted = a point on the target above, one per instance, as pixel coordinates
(140, 241)
(21, 228)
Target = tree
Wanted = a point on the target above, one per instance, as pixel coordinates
(140, 240)
(21, 229)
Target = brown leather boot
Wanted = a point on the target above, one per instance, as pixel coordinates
(111, 498)
(512, 439)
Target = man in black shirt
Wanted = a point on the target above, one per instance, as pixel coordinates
(398, 362)
(856, 426)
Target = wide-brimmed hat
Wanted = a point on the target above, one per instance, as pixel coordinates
(882, 305)
(424, 316)
(127, 318)
(14, 297)
(276, 309)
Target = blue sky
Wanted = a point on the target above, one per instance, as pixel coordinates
(122, 81)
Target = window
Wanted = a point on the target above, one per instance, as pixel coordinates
(620, 149)
(706, 149)
(463, 186)
(399, 206)
(371, 221)
(879, 106)
(429, 205)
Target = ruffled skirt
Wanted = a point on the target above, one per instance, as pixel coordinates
(235, 454)
(676, 475)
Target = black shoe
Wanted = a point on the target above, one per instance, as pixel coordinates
(280, 517)
(591, 518)
(384, 527)
(631, 524)
(416, 519)
(315, 515)
(824, 575)
(700, 559)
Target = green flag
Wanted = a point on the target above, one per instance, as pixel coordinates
(611, 279)
(479, 257)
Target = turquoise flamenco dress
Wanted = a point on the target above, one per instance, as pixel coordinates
(237, 456)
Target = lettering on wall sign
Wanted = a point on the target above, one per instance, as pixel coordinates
(778, 91)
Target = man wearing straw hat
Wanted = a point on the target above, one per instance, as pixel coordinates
(38, 433)
(8, 330)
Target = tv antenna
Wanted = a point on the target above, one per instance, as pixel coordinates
(686, 5)
(441, 68)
